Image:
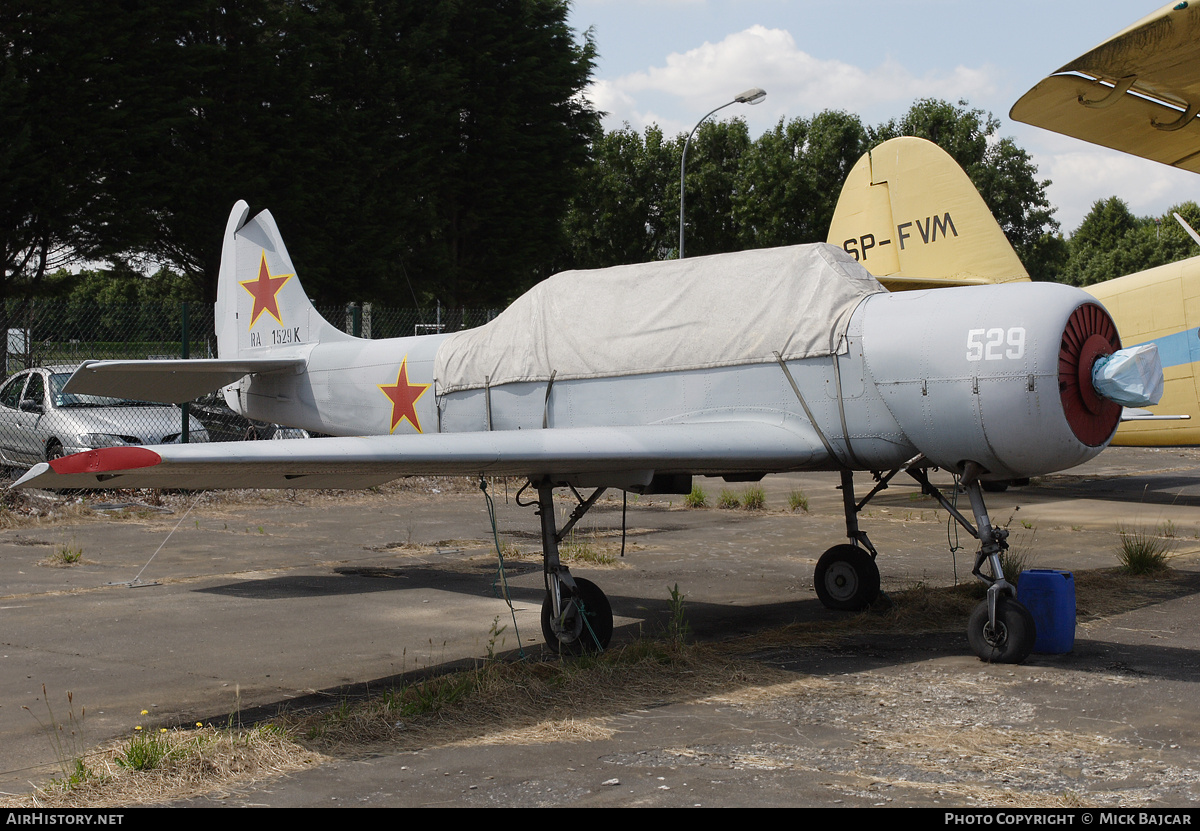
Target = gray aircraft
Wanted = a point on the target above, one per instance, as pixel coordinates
(638, 378)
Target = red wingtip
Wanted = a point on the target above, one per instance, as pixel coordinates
(106, 460)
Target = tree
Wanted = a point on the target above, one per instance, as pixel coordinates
(791, 177)
(406, 149)
(713, 181)
(626, 209)
(1111, 242)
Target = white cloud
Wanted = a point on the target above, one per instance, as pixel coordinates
(797, 83)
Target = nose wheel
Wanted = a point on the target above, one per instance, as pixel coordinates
(1009, 640)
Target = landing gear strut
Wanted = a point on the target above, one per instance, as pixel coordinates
(1001, 630)
(576, 616)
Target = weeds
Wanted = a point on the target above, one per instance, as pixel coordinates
(146, 750)
(581, 549)
(494, 633)
(728, 499)
(697, 498)
(678, 628)
(797, 500)
(1142, 552)
(755, 498)
(66, 739)
(1015, 561)
(67, 555)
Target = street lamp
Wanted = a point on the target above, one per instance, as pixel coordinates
(750, 96)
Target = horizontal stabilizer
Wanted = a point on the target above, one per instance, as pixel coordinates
(584, 455)
(899, 282)
(169, 382)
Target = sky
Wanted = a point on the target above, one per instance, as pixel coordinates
(668, 62)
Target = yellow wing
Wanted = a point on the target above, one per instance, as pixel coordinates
(1138, 92)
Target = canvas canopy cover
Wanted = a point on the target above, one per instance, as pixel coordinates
(664, 316)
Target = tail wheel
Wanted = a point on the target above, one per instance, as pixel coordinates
(586, 622)
(1008, 642)
(846, 578)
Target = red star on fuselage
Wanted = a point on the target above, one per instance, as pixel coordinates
(404, 397)
(264, 290)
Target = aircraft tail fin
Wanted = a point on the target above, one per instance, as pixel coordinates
(261, 307)
(913, 218)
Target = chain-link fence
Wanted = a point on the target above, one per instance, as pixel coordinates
(47, 339)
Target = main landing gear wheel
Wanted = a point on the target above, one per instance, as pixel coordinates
(586, 624)
(1011, 641)
(846, 578)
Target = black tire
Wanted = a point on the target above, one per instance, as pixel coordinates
(582, 633)
(995, 487)
(846, 578)
(1013, 639)
(54, 450)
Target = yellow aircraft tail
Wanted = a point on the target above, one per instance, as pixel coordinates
(913, 218)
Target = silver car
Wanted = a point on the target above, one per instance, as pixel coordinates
(39, 423)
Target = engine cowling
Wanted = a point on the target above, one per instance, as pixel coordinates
(996, 375)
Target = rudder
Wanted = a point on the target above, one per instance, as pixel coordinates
(261, 305)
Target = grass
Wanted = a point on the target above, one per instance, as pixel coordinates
(147, 750)
(755, 498)
(67, 740)
(578, 548)
(697, 498)
(797, 501)
(728, 499)
(1142, 552)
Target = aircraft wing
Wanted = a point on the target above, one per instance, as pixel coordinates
(1138, 92)
(169, 382)
(582, 452)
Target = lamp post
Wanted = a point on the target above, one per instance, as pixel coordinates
(750, 96)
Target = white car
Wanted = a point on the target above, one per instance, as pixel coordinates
(39, 423)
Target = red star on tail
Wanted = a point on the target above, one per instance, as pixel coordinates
(264, 290)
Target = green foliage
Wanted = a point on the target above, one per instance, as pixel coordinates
(791, 177)
(728, 499)
(1111, 242)
(406, 149)
(797, 500)
(697, 498)
(68, 554)
(755, 498)
(626, 209)
(678, 628)
(145, 750)
(1143, 552)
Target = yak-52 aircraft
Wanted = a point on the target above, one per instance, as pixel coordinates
(639, 377)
